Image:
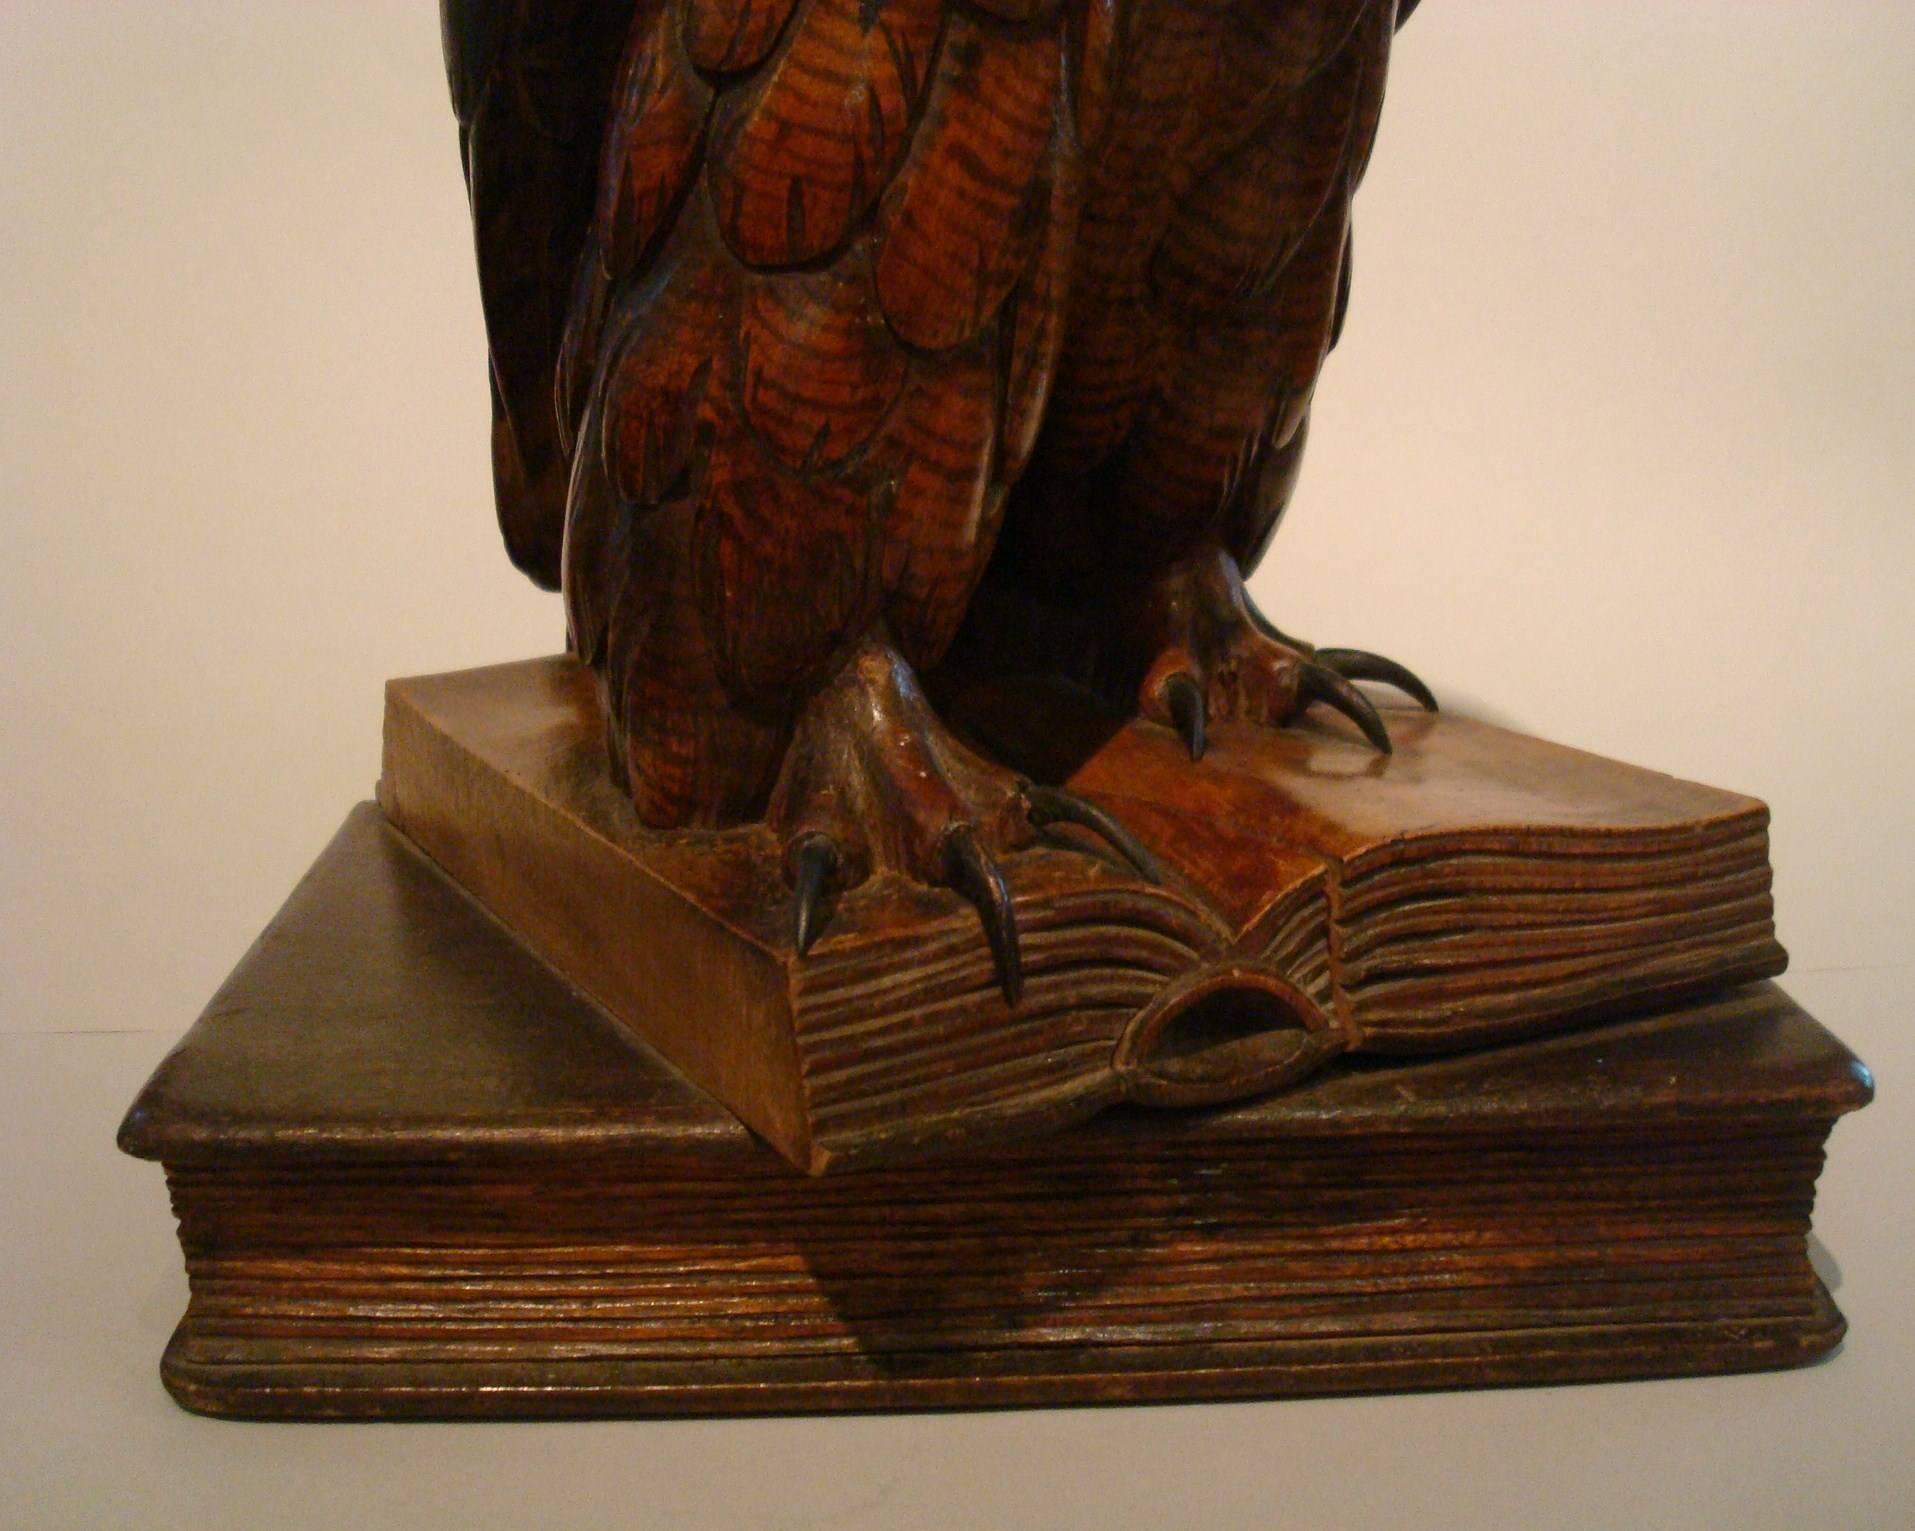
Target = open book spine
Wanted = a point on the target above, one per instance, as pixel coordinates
(908, 1038)
(1457, 941)
(1295, 938)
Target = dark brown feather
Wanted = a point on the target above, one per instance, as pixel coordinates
(1034, 333)
(653, 147)
(820, 372)
(942, 440)
(1234, 231)
(531, 86)
(1207, 283)
(958, 227)
(799, 154)
(783, 566)
(723, 36)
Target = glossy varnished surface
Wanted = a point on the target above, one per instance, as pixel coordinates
(844, 353)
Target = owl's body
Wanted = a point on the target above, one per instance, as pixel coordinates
(819, 325)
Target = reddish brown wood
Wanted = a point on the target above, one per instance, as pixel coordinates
(829, 295)
(417, 1174)
(1311, 897)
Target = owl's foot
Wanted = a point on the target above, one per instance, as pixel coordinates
(1211, 656)
(872, 781)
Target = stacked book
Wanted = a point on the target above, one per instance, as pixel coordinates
(418, 1173)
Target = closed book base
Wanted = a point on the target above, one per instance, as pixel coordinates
(418, 1174)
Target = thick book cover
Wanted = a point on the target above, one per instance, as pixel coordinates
(1475, 886)
(417, 1173)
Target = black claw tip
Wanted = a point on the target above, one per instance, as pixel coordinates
(1185, 699)
(1359, 664)
(976, 876)
(812, 866)
(1053, 805)
(1322, 684)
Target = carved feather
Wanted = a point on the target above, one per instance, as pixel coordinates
(1210, 278)
(820, 371)
(958, 227)
(1234, 231)
(1033, 335)
(642, 422)
(724, 36)
(942, 439)
(799, 154)
(653, 148)
(782, 568)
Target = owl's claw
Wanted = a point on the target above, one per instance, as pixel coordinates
(966, 869)
(873, 782)
(1360, 664)
(813, 864)
(970, 871)
(1207, 655)
(1053, 805)
(1319, 683)
(1188, 711)
(1351, 664)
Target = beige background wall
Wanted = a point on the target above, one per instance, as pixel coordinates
(1618, 448)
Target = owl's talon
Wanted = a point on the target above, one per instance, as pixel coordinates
(875, 784)
(1361, 664)
(813, 864)
(1053, 805)
(1205, 655)
(1188, 710)
(971, 872)
(1319, 683)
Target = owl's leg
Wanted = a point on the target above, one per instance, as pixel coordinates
(873, 782)
(1206, 654)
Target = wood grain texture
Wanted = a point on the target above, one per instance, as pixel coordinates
(642, 1289)
(417, 1174)
(1316, 899)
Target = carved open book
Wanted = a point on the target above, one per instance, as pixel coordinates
(1315, 899)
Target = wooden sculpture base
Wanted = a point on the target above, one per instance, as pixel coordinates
(418, 1175)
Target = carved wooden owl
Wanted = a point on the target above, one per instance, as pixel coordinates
(840, 344)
